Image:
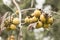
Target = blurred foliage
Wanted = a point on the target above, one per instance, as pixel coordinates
(55, 3)
(56, 29)
(26, 4)
(6, 33)
(4, 9)
(28, 35)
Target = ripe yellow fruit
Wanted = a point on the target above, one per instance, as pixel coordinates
(50, 20)
(12, 26)
(36, 13)
(32, 14)
(12, 37)
(46, 25)
(42, 18)
(31, 20)
(39, 24)
(16, 21)
(27, 20)
(34, 19)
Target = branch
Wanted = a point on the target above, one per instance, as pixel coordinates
(32, 3)
(36, 8)
(18, 10)
(28, 9)
(2, 23)
(20, 34)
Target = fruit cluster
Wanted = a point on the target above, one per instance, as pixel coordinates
(12, 37)
(42, 19)
(11, 23)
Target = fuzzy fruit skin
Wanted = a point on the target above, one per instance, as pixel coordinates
(42, 18)
(34, 19)
(12, 26)
(32, 14)
(31, 20)
(16, 21)
(39, 24)
(27, 20)
(36, 13)
(50, 20)
(46, 25)
(11, 37)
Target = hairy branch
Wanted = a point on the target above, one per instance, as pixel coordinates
(2, 23)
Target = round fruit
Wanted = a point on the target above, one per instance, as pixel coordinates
(39, 24)
(27, 20)
(32, 14)
(12, 26)
(12, 37)
(42, 18)
(46, 25)
(50, 20)
(36, 13)
(34, 19)
(16, 21)
(31, 20)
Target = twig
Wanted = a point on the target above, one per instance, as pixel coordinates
(11, 15)
(2, 23)
(53, 12)
(32, 3)
(33, 9)
(18, 10)
(28, 9)
(20, 34)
